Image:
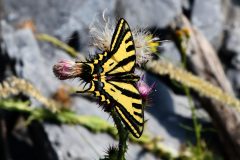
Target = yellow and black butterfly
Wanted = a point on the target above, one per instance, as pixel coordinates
(112, 79)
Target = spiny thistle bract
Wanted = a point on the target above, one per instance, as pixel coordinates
(111, 153)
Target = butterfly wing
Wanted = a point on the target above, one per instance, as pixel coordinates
(124, 94)
(120, 91)
(121, 58)
(125, 98)
(128, 104)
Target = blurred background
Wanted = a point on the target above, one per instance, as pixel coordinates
(182, 123)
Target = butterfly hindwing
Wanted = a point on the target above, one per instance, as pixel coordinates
(128, 104)
(126, 100)
(125, 95)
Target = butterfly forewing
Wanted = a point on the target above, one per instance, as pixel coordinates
(122, 54)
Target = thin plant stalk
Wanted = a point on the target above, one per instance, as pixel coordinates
(123, 136)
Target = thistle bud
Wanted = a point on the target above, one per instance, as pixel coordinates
(66, 69)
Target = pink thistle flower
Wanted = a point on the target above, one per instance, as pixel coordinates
(144, 89)
(66, 69)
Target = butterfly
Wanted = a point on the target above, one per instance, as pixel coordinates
(111, 79)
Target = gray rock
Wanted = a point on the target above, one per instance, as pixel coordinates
(149, 13)
(59, 18)
(169, 52)
(171, 111)
(233, 15)
(31, 63)
(235, 61)
(186, 4)
(79, 143)
(233, 41)
(234, 76)
(230, 52)
(208, 16)
(51, 15)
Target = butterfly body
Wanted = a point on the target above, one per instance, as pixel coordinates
(112, 79)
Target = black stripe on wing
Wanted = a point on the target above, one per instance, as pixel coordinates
(123, 109)
(123, 63)
(120, 40)
(130, 48)
(130, 123)
(119, 33)
(127, 92)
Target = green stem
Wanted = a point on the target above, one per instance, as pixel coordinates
(45, 37)
(197, 126)
(123, 136)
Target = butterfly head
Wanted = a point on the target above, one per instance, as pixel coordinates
(87, 72)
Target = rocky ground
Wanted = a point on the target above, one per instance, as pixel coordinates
(24, 56)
